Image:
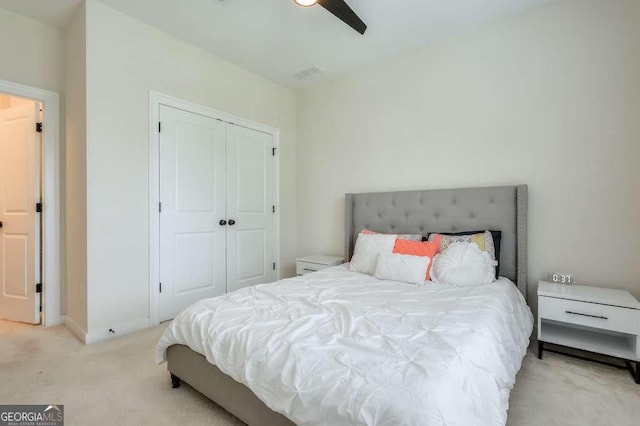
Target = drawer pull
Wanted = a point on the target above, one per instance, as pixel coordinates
(587, 315)
(310, 270)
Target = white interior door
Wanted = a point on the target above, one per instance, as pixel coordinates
(192, 196)
(19, 192)
(250, 203)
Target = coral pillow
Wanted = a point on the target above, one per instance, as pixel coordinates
(417, 248)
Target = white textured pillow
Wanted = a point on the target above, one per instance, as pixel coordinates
(464, 265)
(368, 247)
(402, 267)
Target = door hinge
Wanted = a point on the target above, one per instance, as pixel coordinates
(159, 127)
(159, 207)
(39, 288)
(273, 151)
(38, 207)
(274, 266)
(39, 127)
(160, 287)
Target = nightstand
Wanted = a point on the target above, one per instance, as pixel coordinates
(593, 319)
(307, 264)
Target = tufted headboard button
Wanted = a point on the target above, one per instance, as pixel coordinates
(454, 201)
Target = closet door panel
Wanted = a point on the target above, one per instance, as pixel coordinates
(193, 200)
(250, 198)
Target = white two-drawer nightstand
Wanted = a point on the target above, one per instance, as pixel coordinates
(593, 319)
(307, 264)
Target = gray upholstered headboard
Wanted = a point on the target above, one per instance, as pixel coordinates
(502, 208)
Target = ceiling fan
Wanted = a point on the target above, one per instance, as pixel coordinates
(341, 10)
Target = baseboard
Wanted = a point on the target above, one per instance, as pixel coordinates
(57, 321)
(75, 329)
(110, 331)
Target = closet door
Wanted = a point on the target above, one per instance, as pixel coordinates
(192, 196)
(250, 200)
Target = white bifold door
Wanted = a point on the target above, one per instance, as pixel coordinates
(216, 209)
(19, 222)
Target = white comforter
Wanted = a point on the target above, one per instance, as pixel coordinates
(343, 348)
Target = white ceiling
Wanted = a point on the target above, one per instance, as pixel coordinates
(277, 39)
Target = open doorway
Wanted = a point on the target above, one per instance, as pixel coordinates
(20, 212)
(51, 265)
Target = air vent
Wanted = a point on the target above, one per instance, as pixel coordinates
(306, 73)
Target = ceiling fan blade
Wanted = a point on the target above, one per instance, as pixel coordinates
(342, 11)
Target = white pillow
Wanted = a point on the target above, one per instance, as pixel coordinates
(368, 247)
(464, 265)
(402, 267)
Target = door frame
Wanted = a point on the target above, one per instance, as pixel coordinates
(51, 219)
(156, 99)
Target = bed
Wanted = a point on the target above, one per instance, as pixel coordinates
(340, 347)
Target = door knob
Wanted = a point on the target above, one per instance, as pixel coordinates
(232, 222)
(223, 222)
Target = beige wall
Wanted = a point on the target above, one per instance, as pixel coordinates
(550, 98)
(125, 59)
(76, 183)
(32, 53)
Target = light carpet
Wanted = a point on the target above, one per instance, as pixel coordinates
(117, 382)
